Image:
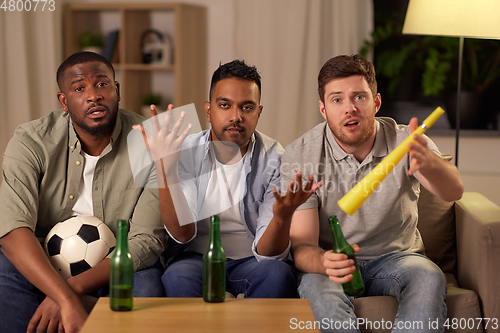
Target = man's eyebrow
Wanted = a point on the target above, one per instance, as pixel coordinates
(223, 99)
(248, 102)
(102, 75)
(354, 92)
(334, 93)
(99, 76)
(75, 81)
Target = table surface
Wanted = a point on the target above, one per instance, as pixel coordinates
(194, 315)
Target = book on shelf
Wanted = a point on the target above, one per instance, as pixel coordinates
(110, 46)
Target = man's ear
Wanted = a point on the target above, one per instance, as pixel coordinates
(61, 97)
(260, 110)
(206, 105)
(322, 109)
(117, 87)
(378, 102)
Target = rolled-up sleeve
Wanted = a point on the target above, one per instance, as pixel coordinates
(265, 217)
(19, 188)
(288, 171)
(146, 235)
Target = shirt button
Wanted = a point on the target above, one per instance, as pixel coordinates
(78, 163)
(71, 147)
(71, 197)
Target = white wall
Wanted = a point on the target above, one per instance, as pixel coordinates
(478, 162)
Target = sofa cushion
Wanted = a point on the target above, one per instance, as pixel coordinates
(462, 305)
(463, 308)
(436, 223)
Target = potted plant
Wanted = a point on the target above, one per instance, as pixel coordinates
(431, 62)
(91, 40)
(480, 74)
(400, 56)
(148, 99)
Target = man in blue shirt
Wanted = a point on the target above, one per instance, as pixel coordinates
(230, 170)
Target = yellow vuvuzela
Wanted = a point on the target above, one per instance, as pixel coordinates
(350, 202)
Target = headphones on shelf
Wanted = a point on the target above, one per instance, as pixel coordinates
(156, 50)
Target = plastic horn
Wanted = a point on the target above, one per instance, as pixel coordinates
(350, 202)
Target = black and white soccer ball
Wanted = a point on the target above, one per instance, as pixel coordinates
(77, 244)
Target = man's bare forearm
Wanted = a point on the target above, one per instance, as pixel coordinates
(276, 238)
(92, 279)
(443, 180)
(174, 208)
(308, 258)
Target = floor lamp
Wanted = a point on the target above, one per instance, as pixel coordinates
(455, 18)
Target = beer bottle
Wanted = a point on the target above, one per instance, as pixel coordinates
(121, 268)
(356, 286)
(214, 265)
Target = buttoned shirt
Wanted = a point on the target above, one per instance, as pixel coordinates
(260, 172)
(387, 220)
(42, 169)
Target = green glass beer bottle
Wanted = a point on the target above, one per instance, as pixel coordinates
(356, 286)
(121, 279)
(214, 265)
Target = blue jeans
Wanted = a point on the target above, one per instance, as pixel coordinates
(255, 279)
(19, 299)
(414, 280)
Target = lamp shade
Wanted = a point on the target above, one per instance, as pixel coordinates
(460, 18)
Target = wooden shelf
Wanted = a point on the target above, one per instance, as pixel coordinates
(185, 78)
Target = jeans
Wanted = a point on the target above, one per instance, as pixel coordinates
(255, 279)
(414, 280)
(19, 299)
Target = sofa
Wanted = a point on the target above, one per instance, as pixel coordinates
(463, 239)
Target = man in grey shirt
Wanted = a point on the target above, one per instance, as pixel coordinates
(43, 181)
(339, 153)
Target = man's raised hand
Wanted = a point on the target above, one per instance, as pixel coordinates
(164, 144)
(296, 195)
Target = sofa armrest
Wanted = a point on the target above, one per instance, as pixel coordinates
(478, 250)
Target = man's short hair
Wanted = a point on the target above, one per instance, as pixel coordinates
(235, 69)
(344, 66)
(80, 58)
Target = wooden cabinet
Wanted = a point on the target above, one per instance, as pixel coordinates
(181, 82)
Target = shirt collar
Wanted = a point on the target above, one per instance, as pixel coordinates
(380, 147)
(74, 141)
(337, 152)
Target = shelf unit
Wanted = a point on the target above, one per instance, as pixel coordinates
(186, 77)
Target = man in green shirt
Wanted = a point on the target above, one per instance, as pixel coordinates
(72, 162)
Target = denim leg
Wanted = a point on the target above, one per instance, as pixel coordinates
(331, 307)
(261, 279)
(184, 275)
(418, 285)
(19, 299)
(147, 282)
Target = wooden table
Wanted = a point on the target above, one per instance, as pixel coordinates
(194, 315)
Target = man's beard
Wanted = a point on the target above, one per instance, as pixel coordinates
(345, 139)
(100, 130)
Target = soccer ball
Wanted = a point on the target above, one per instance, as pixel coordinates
(77, 244)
